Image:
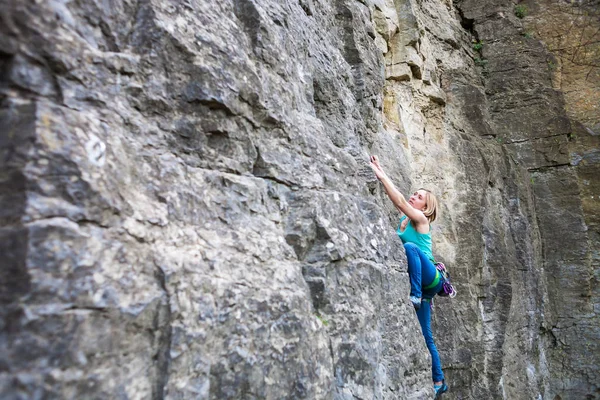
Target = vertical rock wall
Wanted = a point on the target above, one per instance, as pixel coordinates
(437, 105)
(541, 133)
(188, 210)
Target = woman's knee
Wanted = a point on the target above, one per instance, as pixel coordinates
(410, 247)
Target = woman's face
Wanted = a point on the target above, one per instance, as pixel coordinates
(418, 200)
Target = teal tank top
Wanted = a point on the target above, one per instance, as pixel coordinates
(422, 240)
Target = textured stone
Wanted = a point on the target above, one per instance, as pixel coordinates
(398, 72)
(187, 210)
(155, 158)
(532, 118)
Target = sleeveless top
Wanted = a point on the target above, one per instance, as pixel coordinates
(422, 240)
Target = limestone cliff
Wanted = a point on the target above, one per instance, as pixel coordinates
(188, 212)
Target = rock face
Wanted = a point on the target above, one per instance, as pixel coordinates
(539, 132)
(188, 211)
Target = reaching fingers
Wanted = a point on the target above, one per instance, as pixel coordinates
(375, 161)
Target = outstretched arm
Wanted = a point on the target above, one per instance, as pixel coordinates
(395, 196)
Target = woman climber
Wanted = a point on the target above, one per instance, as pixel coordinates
(414, 230)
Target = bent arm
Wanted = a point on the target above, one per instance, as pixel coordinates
(400, 202)
(396, 197)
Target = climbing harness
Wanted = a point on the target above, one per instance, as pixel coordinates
(447, 289)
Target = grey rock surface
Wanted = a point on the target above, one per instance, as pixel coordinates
(188, 211)
(186, 204)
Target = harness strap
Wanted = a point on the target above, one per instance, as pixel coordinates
(435, 282)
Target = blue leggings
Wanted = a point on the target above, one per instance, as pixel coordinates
(421, 269)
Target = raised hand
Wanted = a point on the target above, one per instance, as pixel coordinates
(375, 161)
(376, 167)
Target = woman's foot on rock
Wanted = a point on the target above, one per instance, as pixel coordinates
(416, 302)
(439, 389)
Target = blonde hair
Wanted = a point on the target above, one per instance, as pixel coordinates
(431, 205)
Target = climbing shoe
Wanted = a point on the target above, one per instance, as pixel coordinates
(439, 389)
(416, 302)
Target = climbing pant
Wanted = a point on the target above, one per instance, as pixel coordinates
(424, 316)
(421, 270)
